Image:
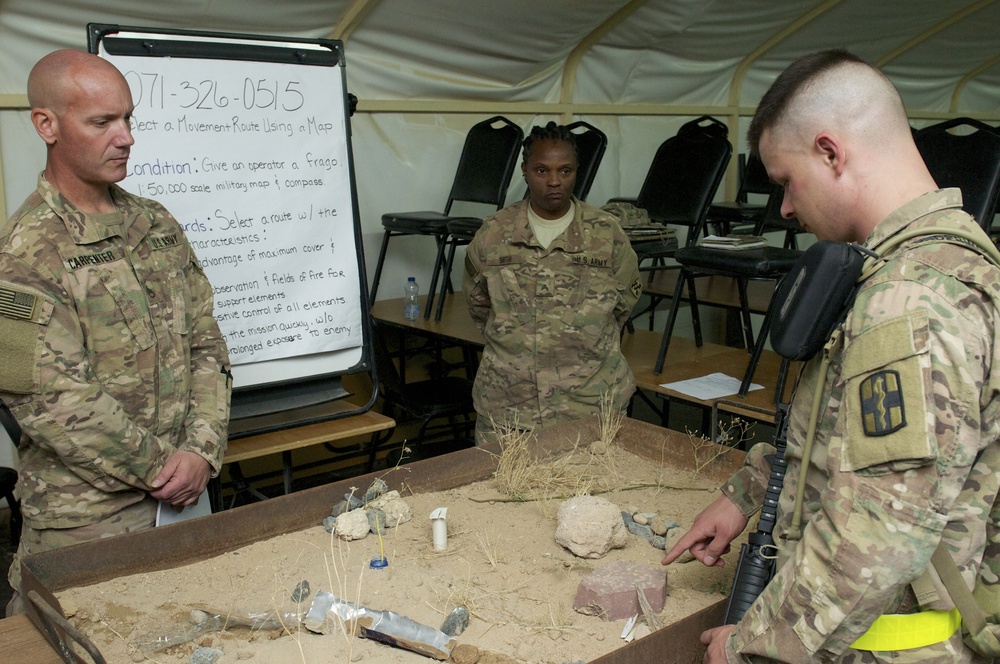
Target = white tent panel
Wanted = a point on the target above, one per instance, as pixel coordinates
(426, 71)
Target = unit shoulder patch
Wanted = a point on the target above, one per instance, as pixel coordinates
(882, 409)
(636, 288)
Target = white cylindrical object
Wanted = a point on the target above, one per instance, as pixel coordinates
(439, 528)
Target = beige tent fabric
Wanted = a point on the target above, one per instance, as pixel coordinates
(426, 70)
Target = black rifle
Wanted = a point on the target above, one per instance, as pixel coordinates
(756, 565)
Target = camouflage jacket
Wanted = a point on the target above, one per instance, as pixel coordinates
(905, 454)
(115, 359)
(552, 317)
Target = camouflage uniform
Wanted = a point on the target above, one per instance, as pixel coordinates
(115, 361)
(904, 447)
(552, 318)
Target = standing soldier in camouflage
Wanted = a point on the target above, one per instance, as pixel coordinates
(550, 281)
(113, 364)
(905, 452)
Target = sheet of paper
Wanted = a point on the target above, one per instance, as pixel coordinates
(167, 514)
(712, 386)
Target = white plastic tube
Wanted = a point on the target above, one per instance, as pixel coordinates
(439, 528)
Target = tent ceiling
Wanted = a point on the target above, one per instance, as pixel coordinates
(425, 70)
(656, 52)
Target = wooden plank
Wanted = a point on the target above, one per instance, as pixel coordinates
(455, 324)
(684, 360)
(295, 438)
(24, 644)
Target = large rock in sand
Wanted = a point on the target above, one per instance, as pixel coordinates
(395, 508)
(352, 525)
(590, 526)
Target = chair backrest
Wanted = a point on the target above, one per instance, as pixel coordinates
(590, 146)
(969, 161)
(487, 162)
(685, 174)
(755, 179)
(772, 219)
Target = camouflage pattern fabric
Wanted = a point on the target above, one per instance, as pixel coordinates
(140, 516)
(126, 364)
(905, 454)
(551, 317)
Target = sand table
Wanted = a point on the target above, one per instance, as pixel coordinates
(502, 563)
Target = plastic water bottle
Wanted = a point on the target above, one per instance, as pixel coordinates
(411, 301)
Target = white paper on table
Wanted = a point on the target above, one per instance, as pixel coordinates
(167, 514)
(712, 386)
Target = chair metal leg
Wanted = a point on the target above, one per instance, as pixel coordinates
(741, 285)
(438, 264)
(758, 349)
(378, 267)
(452, 243)
(668, 329)
(240, 484)
(695, 313)
(377, 441)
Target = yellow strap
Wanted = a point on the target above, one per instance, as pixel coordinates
(903, 631)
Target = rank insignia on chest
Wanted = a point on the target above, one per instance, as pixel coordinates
(882, 409)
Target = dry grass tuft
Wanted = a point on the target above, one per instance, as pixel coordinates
(612, 420)
(489, 548)
(587, 469)
(706, 451)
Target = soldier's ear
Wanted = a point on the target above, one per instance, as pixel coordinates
(46, 124)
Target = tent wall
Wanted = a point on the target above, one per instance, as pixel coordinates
(425, 71)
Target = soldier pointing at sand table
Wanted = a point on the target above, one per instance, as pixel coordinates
(892, 440)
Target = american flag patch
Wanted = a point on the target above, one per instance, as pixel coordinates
(16, 304)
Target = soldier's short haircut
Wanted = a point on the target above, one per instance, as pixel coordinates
(550, 132)
(776, 100)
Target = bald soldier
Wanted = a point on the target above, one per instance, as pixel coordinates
(904, 453)
(113, 364)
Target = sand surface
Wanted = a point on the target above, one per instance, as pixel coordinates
(502, 563)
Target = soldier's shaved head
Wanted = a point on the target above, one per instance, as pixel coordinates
(831, 90)
(81, 106)
(58, 77)
(833, 131)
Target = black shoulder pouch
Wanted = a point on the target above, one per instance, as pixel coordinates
(814, 297)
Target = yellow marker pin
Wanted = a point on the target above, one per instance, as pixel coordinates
(380, 561)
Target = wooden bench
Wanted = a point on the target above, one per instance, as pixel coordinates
(284, 441)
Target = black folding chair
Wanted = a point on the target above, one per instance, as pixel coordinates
(679, 187)
(448, 398)
(483, 176)
(969, 161)
(724, 216)
(744, 265)
(10, 430)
